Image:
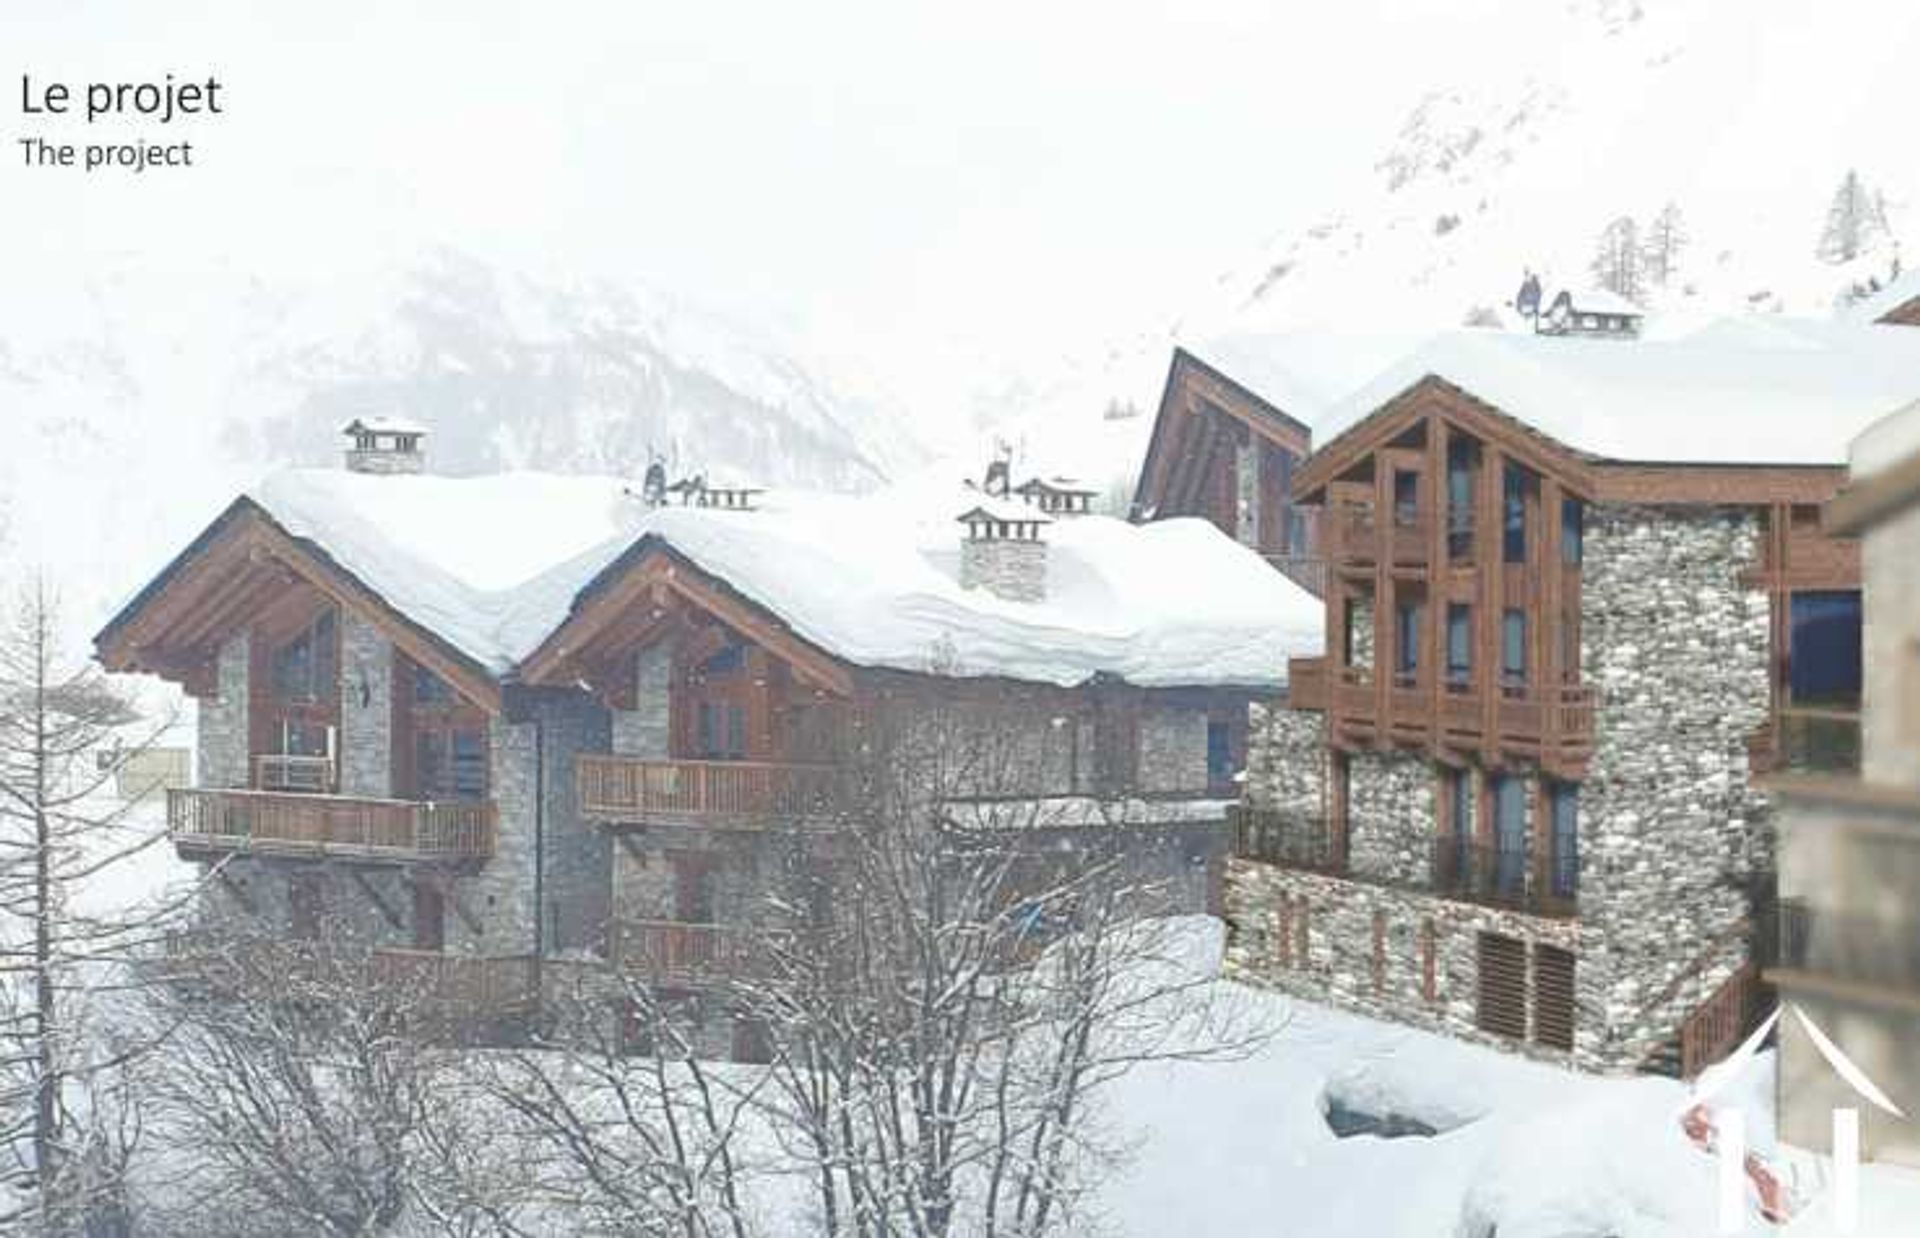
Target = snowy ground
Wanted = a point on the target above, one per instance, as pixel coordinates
(1242, 1148)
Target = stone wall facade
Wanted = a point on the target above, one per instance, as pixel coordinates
(1366, 948)
(646, 729)
(1674, 834)
(221, 737)
(366, 709)
(1390, 817)
(1674, 840)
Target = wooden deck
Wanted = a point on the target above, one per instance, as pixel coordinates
(669, 950)
(723, 794)
(206, 822)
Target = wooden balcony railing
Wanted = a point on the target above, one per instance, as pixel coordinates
(307, 775)
(204, 820)
(1287, 840)
(673, 950)
(460, 986)
(1354, 535)
(1307, 683)
(1718, 1024)
(1553, 721)
(737, 794)
(1476, 872)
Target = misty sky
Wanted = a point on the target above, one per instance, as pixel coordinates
(901, 185)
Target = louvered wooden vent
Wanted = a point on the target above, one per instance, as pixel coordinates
(1502, 1006)
(1553, 997)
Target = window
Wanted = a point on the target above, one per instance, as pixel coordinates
(450, 763)
(1823, 659)
(304, 667)
(1573, 530)
(429, 918)
(1513, 648)
(1407, 639)
(721, 731)
(1564, 804)
(1516, 483)
(1459, 642)
(1509, 835)
(1406, 498)
(429, 689)
(1220, 769)
(1462, 456)
(693, 889)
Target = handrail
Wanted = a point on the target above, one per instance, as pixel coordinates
(322, 824)
(618, 787)
(1690, 971)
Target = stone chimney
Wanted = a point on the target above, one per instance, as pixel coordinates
(1003, 551)
(384, 445)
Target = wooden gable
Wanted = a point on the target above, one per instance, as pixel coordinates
(1199, 408)
(652, 591)
(243, 570)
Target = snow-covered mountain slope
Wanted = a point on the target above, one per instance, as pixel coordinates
(140, 399)
(1541, 125)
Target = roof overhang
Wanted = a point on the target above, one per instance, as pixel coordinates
(220, 582)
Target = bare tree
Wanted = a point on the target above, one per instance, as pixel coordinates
(65, 736)
(627, 1128)
(304, 1088)
(1666, 237)
(1616, 259)
(943, 1034)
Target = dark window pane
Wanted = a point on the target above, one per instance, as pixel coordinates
(1566, 839)
(1459, 640)
(1573, 523)
(1513, 646)
(1823, 662)
(1406, 497)
(1509, 833)
(1407, 638)
(1219, 753)
(1516, 483)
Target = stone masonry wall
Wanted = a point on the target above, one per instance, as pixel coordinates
(366, 709)
(1287, 760)
(645, 730)
(1672, 829)
(1316, 937)
(1360, 633)
(500, 895)
(221, 737)
(1173, 750)
(1390, 816)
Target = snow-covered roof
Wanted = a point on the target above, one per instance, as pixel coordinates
(1899, 290)
(1600, 301)
(1730, 394)
(1007, 511)
(872, 580)
(1303, 373)
(384, 425)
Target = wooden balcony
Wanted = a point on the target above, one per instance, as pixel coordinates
(1551, 723)
(459, 987)
(1307, 683)
(1357, 538)
(715, 794)
(676, 952)
(208, 823)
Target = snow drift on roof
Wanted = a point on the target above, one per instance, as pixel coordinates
(494, 564)
(1899, 290)
(1303, 373)
(1725, 395)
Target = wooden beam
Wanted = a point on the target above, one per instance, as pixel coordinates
(386, 910)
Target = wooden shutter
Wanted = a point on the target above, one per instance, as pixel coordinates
(1502, 993)
(1553, 997)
